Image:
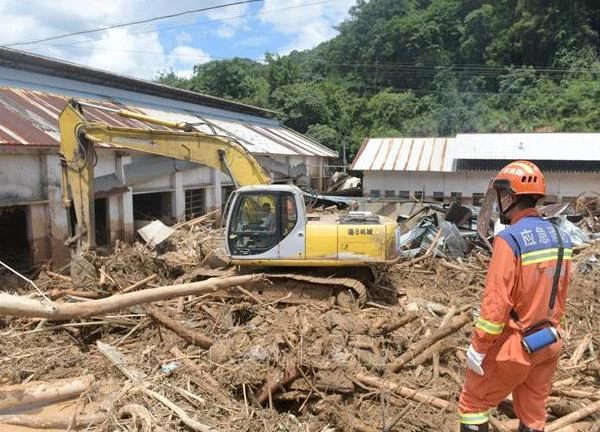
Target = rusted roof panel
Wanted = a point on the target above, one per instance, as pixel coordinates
(29, 117)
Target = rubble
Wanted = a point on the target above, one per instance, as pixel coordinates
(234, 360)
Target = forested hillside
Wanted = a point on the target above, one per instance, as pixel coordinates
(430, 67)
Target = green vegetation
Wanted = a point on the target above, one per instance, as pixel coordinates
(429, 67)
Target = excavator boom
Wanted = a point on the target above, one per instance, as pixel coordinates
(78, 137)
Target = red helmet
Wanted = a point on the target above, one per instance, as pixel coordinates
(520, 178)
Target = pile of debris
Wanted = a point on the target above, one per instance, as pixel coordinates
(141, 340)
(461, 230)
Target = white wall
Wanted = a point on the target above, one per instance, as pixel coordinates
(468, 183)
(21, 178)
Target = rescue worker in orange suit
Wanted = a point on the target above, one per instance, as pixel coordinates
(528, 256)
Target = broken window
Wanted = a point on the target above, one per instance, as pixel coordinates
(149, 206)
(404, 194)
(195, 203)
(438, 196)
(389, 194)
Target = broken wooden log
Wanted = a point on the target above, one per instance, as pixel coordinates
(52, 422)
(437, 348)
(21, 395)
(12, 305)
(140, 283)
(59, 293)
(575, 416)
(204, 379)
(291, 374)
(140, 416)
(137, 377)
(411, 316)
(580, 350)
(413, 352)
(192, 336)
(576, 393)
(59, 276)
(406, 392)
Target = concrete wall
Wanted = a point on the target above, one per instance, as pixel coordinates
(559, 185)
(32, 179)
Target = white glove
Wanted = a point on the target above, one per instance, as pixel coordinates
(474, 360)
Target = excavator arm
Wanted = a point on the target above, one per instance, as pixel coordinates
(78, 136)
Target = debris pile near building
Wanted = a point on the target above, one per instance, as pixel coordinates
(221, 357)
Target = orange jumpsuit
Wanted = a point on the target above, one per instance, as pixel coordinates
(520, 277)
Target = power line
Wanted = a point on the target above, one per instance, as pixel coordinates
(390, 71)
(264, 12)
(127, 24)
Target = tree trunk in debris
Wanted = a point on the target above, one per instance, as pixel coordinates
(12, 305)
(406, 392)
(52, 422)
(192, 336)
(575, 416)
(21, 395)
(437, 335)
(273, 386)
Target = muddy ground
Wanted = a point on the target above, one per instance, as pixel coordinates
(326, 352)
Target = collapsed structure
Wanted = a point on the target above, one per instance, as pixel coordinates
(131, 187)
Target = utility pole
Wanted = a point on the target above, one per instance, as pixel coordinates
(344, 161)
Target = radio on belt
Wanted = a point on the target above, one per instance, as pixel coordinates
(540, 339)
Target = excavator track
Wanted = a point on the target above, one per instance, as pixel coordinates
(358, 288)
(294, 287)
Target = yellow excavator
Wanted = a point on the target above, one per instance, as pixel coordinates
(266, 224)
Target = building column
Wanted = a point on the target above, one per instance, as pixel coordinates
(37, 232)
(320, 164)
(178, 197)
(217, 194)
(56, 213)
(125, 201)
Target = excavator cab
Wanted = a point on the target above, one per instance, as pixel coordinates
(266, 223)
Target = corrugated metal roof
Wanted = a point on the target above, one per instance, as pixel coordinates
(29, 117)
(446, 154)
(24, 61)
(402, 154)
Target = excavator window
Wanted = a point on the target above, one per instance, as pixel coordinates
(260, 220)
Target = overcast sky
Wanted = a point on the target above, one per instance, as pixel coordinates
(144, 50)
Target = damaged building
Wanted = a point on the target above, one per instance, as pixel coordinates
(460, 168)
(130, 188)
